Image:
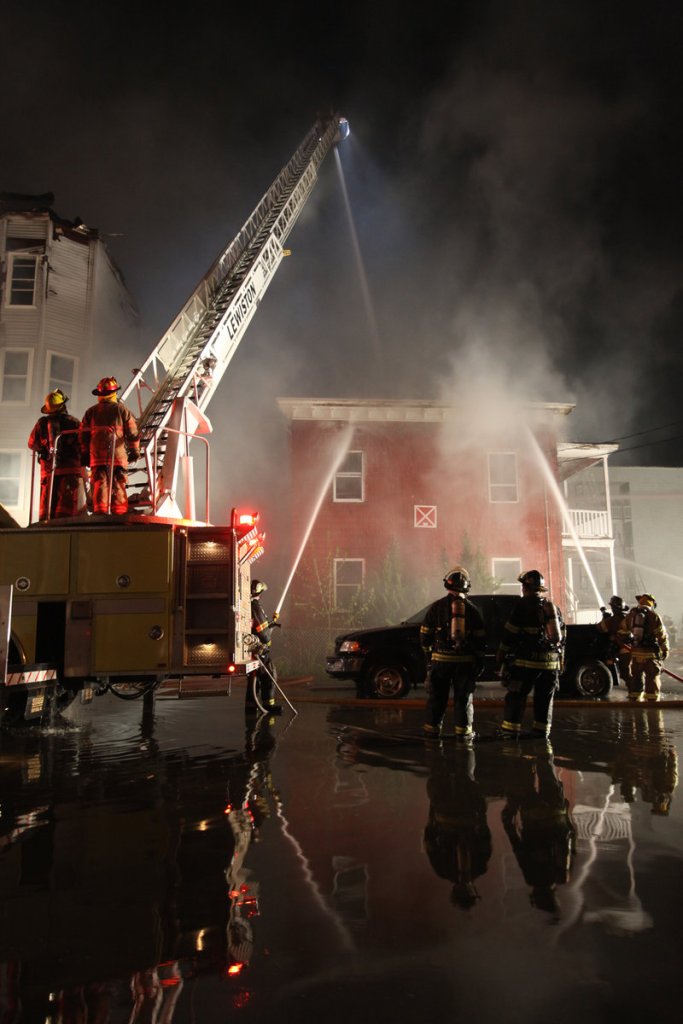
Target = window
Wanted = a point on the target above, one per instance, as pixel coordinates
(22, 270)
(348, 480)
(16, 369)
(502, 476)
(348, 580)
(505, 571)
(61, 373)
(10, 478)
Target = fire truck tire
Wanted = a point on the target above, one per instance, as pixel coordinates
(387, 680)
(593, 679)
(132, 690)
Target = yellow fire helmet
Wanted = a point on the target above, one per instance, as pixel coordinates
(646, 599)
(54, 402)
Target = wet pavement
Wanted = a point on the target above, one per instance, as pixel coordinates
(190, 865)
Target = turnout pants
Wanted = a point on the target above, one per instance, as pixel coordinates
(260, 684)
(544, 683)
(644, 675)
(100, 490)
(460, 676)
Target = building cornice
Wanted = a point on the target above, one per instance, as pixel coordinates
(392, 410)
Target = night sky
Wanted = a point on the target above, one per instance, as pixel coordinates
(513, 171)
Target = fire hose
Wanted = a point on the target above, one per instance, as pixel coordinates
(256, 649)
(673, 675)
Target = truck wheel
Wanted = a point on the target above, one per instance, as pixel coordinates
(132, 691)
(388, 680)
(593, 679)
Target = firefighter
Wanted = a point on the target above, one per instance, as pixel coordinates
(645, 631)
(60, 462)
(619, 654)
(453, 640)
(530, 657)
(109, 444)
(261, 683)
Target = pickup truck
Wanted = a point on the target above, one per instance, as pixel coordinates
(387, 662)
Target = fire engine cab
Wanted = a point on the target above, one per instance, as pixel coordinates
(122, 603)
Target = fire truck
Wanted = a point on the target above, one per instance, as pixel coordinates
(99, 603)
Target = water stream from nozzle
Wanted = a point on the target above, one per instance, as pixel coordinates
(564, 510)
(360, 265)
(340, 451)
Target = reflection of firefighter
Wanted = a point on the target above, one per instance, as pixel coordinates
(247, 810)
(645, 631)
(109, 425)
(647, 760)
(530, 657)
(538, 823)
(60, 461)
(457, 838)
(454, 641)
(618, 651)
(261, 683)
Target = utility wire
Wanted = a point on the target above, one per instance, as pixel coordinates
(639, 433)
(648, 444)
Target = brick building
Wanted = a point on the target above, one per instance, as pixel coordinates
(406, 489)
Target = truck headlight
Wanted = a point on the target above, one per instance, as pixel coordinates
(350, 647)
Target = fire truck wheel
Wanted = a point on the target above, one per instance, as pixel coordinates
(388, 680)
(593, 679)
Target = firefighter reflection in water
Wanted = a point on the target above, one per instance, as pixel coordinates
(618, 652)
(60, 460)
(261, 683)
(247, 810)
(530, 657)
(645, 631)
(457, 838)
(109, 444)
(647, 760)
(454, 642)
(538, 823)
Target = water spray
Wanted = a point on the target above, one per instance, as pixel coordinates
(365, 290)
(564, 510)
(340, 453)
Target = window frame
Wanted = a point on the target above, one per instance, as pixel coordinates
(507, 588)
(12, 256)
(50, 382)
(336, 585)
(21, 478)
(29, 375)
(341, 474)
(492, 484)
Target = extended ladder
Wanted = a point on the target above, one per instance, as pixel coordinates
(186, 366)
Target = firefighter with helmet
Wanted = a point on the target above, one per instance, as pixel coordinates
(55, 443)
(453, 640)
(261, 683)
(109, 444)
(644, 630)
(530, 657)
(618, 655)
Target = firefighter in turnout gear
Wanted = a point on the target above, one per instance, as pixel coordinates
(530, 657)
(454, 643)
(261, 683)
(619, 654)
(109, 443)
(60, 460)
(645, 631)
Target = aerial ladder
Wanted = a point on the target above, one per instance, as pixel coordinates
(186, 366)
(124, 603)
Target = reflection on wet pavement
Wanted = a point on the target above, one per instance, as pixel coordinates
(192, 865)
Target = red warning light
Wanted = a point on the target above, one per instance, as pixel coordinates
(235, 968)
(232, 669)
(243, 521)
